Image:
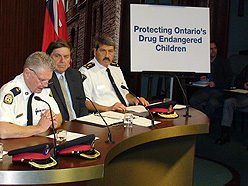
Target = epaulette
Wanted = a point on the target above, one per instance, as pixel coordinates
(8, 98)
(114, 64)
(16, 91)
(89, 65)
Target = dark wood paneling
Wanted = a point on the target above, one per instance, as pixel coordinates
(220, 15)
(21, 31)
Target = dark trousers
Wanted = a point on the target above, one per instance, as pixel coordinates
(238, 102)
(207, 100)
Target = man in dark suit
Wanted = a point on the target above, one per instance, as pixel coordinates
(211, 97)
(66, 83)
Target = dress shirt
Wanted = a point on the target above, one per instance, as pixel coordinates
(68, 92)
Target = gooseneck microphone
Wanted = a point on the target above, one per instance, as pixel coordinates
(109, 141)
(185, 97)
(37, 98)
(152, 121)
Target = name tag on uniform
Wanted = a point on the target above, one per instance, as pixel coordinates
(100, 87)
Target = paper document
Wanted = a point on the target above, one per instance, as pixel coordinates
(137, 108)
(203, 83)
(144, 122)
(112, 115)
(179, 106)
(156, 103)
(71, 135)
(96, 119)
(241, 91)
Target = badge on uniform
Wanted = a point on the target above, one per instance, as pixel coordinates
(8, 99)
(83, 147)
(37, 156)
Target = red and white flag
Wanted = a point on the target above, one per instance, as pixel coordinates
(55, 23)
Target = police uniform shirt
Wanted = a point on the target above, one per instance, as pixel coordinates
(14, 98)
(98, 87)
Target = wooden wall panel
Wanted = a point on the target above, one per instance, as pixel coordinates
(21, 29)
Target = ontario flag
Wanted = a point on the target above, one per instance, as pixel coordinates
(55, 23)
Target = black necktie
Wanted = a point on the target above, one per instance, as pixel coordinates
(29, 111)
(115, 87)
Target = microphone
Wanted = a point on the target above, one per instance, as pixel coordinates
(153, 125)
(109, 141)
(185, 97)
(37, 98)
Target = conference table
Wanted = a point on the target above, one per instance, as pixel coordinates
(139, 156)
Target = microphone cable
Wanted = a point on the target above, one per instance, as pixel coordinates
(184, 94)
(109, 141)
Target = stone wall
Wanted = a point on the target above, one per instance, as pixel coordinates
(76, 21)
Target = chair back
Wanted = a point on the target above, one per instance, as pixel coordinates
(238, 62)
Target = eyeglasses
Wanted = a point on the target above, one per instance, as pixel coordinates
(42, 81)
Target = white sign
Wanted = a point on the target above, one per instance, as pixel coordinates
(169, 38)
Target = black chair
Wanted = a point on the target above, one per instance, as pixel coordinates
(238, 62)
(243, 112)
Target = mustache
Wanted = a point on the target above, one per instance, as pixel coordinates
(106, 58)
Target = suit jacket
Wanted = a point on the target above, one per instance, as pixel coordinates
(74, 80)
(221, 73)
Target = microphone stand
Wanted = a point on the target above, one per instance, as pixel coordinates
(187, 115)
(152, 120)
(37, 98)
(109, 141)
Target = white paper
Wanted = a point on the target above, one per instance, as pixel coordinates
(112, 115)
(98, 120)
(156, 103)
(179, 106)
(144, 122)
(71, 135)
(242, 91)
(202, 83)
(138, 108)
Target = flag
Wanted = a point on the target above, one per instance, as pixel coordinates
(55, 23)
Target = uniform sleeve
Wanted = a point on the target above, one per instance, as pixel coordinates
(7, 105)
(87, 83)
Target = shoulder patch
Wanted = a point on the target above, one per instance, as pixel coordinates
(114, 64)
(16, 91)
(89, 65)
(51, 93)
(8, 99)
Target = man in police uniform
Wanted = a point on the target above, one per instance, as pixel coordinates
(98, 86)
(14, 97)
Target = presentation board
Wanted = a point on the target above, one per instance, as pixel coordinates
(169, 38)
